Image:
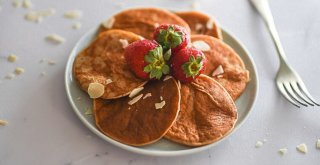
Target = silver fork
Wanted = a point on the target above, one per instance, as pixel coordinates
(288, 81)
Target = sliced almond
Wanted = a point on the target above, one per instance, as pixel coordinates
(108, 81)
(179, 84)
(167, 78)
(283, 151)
(3, 122)
(135, 91)
(33, 17)
(124, 43)
(12, 58)
(161, 98)
(210, 24)
(218, 71)
(9, 76)
(195, 5)
(134, 100)
(73, 14)
(88, 111)
(55, 38)
(76, 25)
(147, 95)
(52, 62)
(302, 148)
(198, 26)
(27, 4)
(17, 3)
(160, 105)
(201, 45)
(95, 90)
(318, 144)
(109, 23)
(19, 70)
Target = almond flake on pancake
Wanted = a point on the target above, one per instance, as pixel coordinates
(156, 25)
(179, 84)
(161, 98)
(95, 90)
(210, 23)
(198, 26)
(124, 43)
(3, 122)
(135, 91)
(160, 105)
(109, 23)
(73, 14)
(134, 100)
(108, 81)
(167, 78)
(55, 38)
(147, 95)
(201, 45)
(141, 38)
(218, 71)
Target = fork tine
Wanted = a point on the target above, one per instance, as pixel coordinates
(302, 96)
(288, 88)
(284, 93)
(306, 92)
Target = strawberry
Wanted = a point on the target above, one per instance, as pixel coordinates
(171, 37)
(188, 64)
(146, 59)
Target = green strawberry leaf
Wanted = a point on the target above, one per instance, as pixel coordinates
(192, 67)
(169, 38)
(167, 55)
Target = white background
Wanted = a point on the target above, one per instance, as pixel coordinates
(43, 129)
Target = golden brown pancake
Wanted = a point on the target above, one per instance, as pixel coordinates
(201, 23)
(103, 60)
(207, 113)
(141, 123)
(235, 76)
(143, 21)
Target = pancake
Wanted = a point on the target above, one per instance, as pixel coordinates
(142, 21)
(103, 62)
(141, 123)
(207, 113)
(201, 23)
(235, 76)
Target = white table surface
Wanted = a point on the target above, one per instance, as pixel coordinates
(43, 129)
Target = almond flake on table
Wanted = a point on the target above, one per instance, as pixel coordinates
(19, 70)
(9, 76)
(33, 16)
(195, 5)
(55, 38)
(258, 144)
(88, 111)
(135, 91)
(302, 148)
(124, 43)
(95, 90)
(218, 71)
(108, 23)
(318, 144)
(47, 12)
(147, 95)
(283, 151)
(73, 14)
(78, 98)
(3, 122)
(17, 3)
(201, 45)
(136, 99)
(52, 62)
(12, 58)
(160, 105)
(43, 74)
(27, 4)
(76, 25)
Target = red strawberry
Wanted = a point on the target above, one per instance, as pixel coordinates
(171, 37)
(146, 59)
(188, 64)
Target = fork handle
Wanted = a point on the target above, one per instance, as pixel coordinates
(263, 8)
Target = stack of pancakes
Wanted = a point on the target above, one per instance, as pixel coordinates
(194, 114)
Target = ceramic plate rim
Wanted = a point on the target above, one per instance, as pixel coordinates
(145, 151)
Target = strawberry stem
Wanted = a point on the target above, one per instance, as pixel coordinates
(169, 38)
(193, 66)
(157, 66)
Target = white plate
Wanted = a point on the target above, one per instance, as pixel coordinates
(162, 147)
